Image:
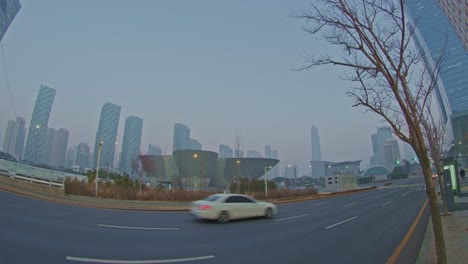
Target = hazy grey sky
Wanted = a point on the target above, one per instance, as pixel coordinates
(217, 66)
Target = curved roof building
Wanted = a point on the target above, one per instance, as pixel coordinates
(379, 172)
(201, 169)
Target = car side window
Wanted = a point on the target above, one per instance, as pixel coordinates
(243, 199)
(231, 199)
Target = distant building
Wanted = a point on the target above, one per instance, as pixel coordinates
(38, 125)
(8, 11)
(181, 138)
(154, 150)
(107, 133)
(344, 167)
(271, 153)
(71, 158)
(458, 16)
(225, 151)
(195, 145)
(238, 153)
(201, 169)
(14, 138)
(392, 153)
(253, 154)
(378, 141)
(82, 156)
(315, 141)
(55, 147)
(131, 144)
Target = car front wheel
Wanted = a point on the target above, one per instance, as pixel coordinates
(268, 213)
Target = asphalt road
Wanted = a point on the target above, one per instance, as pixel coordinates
(364, 227)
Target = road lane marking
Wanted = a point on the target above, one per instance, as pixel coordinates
(320, 203)
(157, 261)
(406, 193)
(419, 189)
(140, 228)
(346, 205)
(386, 203)
(292, 217)
(342, 222)
(386, 193)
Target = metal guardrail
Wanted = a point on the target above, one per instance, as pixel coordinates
(35, 174)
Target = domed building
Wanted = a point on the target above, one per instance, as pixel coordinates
(379, 172)
(200, 169)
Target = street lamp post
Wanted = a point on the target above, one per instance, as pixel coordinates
(97, 167)
(265, 178)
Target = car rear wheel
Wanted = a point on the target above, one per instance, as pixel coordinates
(223, 217)
(268, 213)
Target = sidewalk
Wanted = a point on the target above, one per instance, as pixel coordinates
(455, 228)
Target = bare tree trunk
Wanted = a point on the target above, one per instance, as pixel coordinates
(435, 214)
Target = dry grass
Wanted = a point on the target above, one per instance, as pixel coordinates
(113, 191)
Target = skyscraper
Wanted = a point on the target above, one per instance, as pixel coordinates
(82, 156)
(131, 144)
(271, 153)
(154, 150)
(14, 138)
(225, 151)
(392, 153)
(433, 35)
(195, 145)
(8, 11)
(38, 124)
(315, 141)
(107, 133)
(378, 141)
(55, 147)
(458, 16)
(181, 138)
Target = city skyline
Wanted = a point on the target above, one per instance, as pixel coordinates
(234, 79)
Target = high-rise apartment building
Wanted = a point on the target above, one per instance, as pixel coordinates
(38, 124)
(8, 11)
(225, 151)
(82, 156)
(195, 145)
(392, 153)
(181, 138)
(435, 34)
(14, 138)
(315, 141)
(378, 141)
(131, 144)
(154, 150)
(271, 153)
(107, 134)
(457, 12)
(55, 147)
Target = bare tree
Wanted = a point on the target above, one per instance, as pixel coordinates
(375, 36)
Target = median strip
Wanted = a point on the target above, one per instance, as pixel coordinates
(342, 222)
(141, 228)
(91, 260)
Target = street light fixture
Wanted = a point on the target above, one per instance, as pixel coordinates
(97, 167)
(265, 178)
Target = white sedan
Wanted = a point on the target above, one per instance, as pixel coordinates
(226, 207)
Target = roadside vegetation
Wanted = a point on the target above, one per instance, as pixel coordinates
(122, 187)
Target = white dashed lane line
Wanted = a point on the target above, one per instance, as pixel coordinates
(156, 261)
(342, 222)
(140, 228)
(292, 217)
